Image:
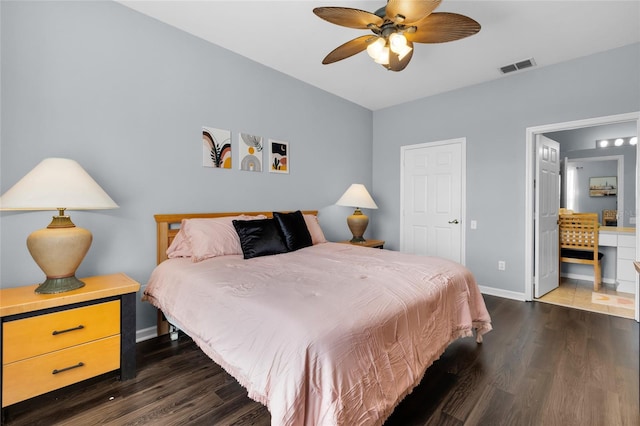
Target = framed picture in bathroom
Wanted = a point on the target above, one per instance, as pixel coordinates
(603, 186)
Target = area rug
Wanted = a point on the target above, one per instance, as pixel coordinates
(612, 300)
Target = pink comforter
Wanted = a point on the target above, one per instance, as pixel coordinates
(332, 334)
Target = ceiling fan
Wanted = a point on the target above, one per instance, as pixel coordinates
(395, 28)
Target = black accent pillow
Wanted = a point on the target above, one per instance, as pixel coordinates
(294, 230)
(260, 237)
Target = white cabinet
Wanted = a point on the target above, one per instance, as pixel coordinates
(607, 239)
(625, 272)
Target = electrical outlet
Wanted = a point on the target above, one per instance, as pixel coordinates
(474, 224)
(502, 265)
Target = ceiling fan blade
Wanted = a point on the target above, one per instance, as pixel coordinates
(348, 17)
(396, 64)
(348, 49)
(442, 27)
(412, 10)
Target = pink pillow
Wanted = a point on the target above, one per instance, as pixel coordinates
(179, 247)
(209, 237)
(313, 225)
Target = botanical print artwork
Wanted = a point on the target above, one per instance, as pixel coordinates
(250, 149)
(216, 148)
(278, 156)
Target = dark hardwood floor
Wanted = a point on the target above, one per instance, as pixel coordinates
(541, 365)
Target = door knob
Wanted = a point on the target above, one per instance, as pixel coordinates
(454, 221)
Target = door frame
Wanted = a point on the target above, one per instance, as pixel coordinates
(463, 188)
(530, 139)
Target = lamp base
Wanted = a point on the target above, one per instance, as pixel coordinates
(58, 250)
(357, 224)
(59, 285)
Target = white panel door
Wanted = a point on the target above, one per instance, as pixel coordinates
(547, 204)
(432, 200)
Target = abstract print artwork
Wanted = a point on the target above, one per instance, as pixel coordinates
(216, 148)
(278, 156)
(250, 150)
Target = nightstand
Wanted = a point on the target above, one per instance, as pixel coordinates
(367, 243)
(49, 341)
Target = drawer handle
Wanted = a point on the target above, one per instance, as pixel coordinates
(56, 332)
(56, 371)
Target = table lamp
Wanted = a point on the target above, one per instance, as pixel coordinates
(357, 196)
(58, 184)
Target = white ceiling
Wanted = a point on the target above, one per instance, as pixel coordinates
(288, 37)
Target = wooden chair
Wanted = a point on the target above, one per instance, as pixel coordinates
(610, 217)
(579, 242)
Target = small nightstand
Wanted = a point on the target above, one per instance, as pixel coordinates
(367, 243)
(50, 341)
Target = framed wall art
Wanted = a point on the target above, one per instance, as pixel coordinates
(603, 186)
(279, 156)
(216, 148)
(250, 152)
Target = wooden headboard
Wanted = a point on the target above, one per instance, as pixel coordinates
(168, 226)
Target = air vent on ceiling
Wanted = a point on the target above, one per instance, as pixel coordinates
(520, 65)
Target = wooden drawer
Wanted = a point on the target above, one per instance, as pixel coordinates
(35, 376)
(42, 334)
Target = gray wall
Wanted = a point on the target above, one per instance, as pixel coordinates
(493, 117)
(126, 96)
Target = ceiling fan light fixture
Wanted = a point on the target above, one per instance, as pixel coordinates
(398, 43)
(396, 27)
(383, 57)
(403, 51)
(375, 48)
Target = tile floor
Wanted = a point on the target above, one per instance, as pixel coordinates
(577, 294)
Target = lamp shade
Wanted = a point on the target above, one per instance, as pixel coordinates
(56, 183)
(357, 196)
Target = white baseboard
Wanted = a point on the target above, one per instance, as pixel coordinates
(507, 294)
(146, 334)
(580, 277)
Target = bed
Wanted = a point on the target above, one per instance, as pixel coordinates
(324, 334)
